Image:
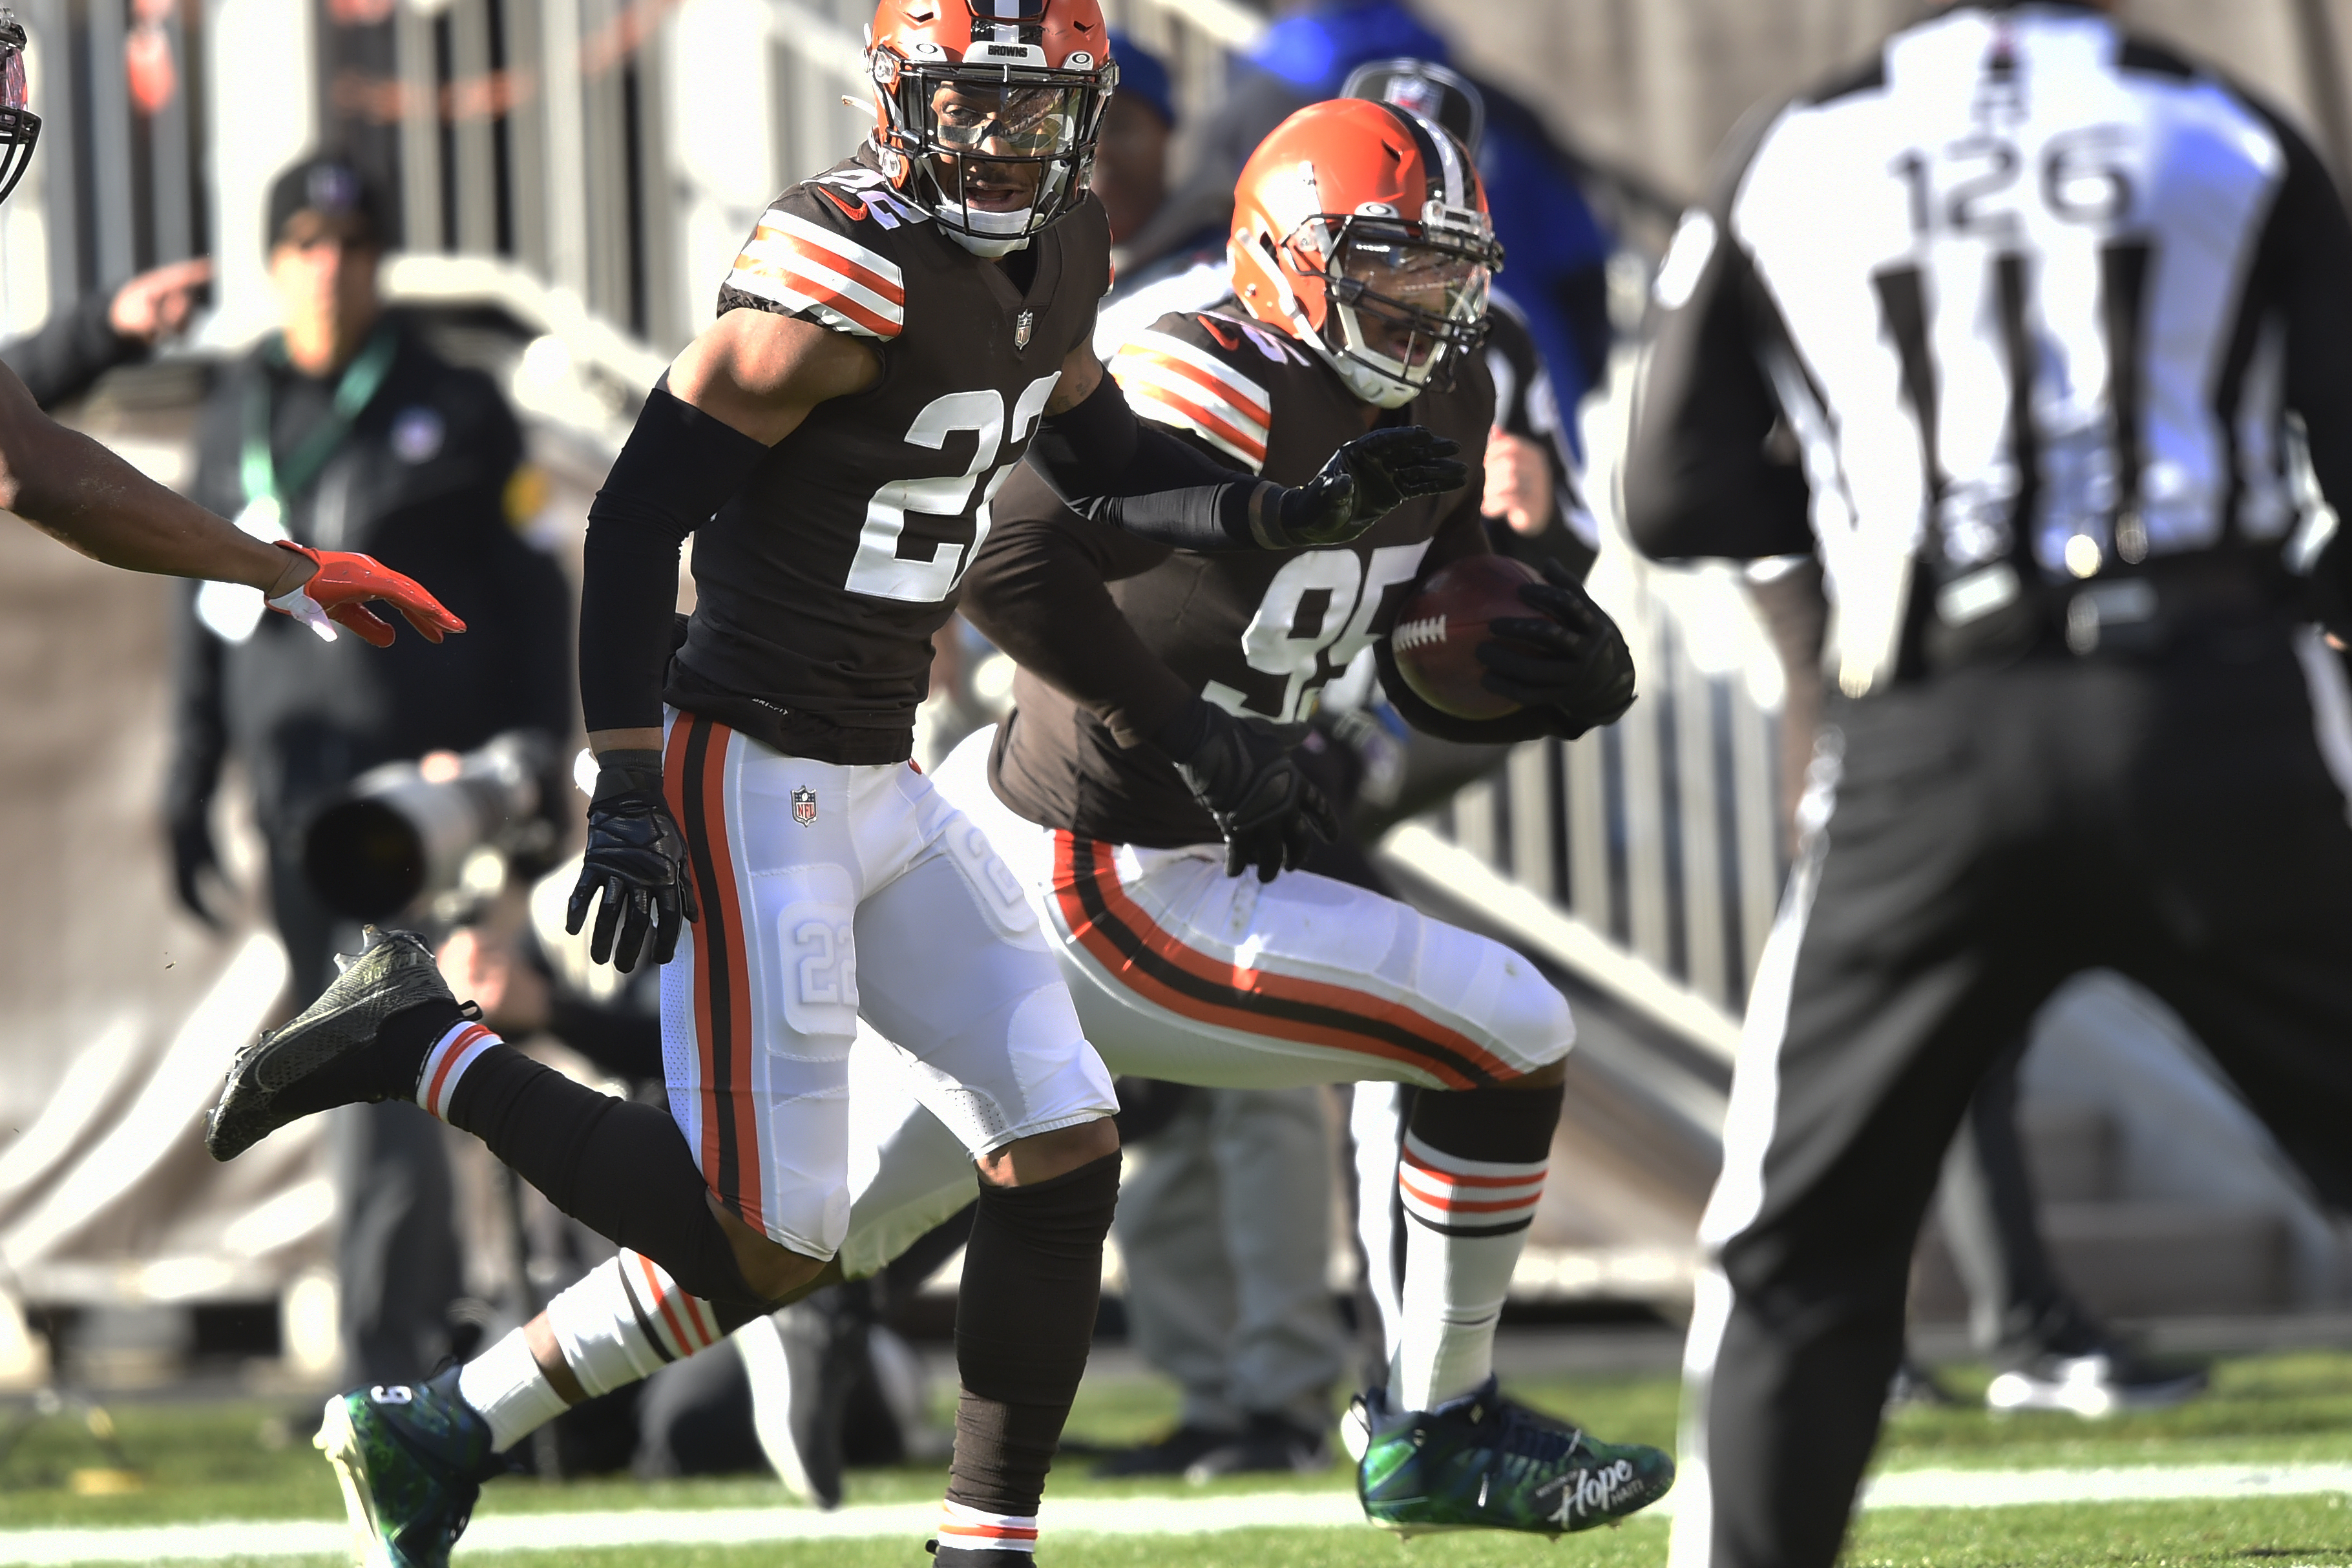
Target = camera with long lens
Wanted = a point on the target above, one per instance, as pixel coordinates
(434, 836)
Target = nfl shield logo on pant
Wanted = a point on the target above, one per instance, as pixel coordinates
(803, 806)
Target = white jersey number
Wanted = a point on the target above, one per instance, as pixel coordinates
(1316, 617)
(879, 568)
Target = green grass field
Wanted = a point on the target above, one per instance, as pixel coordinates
(252, 1462)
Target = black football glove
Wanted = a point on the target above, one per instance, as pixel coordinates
(194, 861)
(1366, 480)
(1572, 660)
(636, 859)
(1268, 812)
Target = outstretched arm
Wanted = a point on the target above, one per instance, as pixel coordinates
(75, 490)
(69, 486)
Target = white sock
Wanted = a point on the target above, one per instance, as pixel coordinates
(620, 1321)
(457, 1049)
(1465, 1223)
(506, 1385)
(623, 1319)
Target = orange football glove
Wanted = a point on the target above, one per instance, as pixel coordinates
(341, 588)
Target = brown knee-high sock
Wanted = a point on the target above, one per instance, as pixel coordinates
(1024, 1323)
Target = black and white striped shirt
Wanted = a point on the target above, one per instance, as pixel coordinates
(2035, 301)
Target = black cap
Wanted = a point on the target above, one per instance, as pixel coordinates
(329, 185)
(1426, 88)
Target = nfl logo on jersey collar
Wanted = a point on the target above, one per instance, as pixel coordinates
(805, 806)
(1021, 325)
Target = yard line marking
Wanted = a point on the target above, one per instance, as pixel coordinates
(2012, 1488)
(1094, 1516)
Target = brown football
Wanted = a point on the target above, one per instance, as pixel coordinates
(1437, 628)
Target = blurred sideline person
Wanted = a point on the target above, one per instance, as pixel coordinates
(1224, 1219)
(74, 490)
(1130, 176)
(343, 428)
(1532, 502)
(753, 796)
(1147, 769)
(1534, 512)
(2035, 298)
(1559, 249)
(74, 347)
(2048, 1350)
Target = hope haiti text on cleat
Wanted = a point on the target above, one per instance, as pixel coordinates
(1484, 1462)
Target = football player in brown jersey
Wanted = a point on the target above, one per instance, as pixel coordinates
(67, 485)
(1146, 765)
(894, 337)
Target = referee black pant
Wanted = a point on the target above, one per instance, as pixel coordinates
(1972, 841)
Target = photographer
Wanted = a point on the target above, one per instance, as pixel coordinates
(343, 430)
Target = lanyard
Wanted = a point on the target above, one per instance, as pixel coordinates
(266, 488)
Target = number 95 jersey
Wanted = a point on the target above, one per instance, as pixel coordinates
(819, 586)
(1258, 632)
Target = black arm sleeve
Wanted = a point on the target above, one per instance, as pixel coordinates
(1038, 591)
(1110, 467)
(71, 350)
(1698, 479)
(678, 467)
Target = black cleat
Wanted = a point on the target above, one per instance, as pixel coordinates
(1272, 1445)
(1170, 1456)
(327, 1056)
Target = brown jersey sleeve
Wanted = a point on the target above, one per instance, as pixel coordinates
(1037, 589)
(1204, 379)
(819, 253)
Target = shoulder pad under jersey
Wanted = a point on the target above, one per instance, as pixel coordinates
(1206, 374)
(822, 252)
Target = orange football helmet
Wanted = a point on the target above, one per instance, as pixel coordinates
(986, 111)
(1361, 229)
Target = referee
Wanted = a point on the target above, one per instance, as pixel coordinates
(2012, 325)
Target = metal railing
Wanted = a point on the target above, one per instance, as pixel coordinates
(620, 150)
(121, 175)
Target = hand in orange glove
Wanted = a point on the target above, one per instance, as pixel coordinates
(341, 589)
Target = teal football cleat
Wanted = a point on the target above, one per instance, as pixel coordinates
(412, 1459)
(1484, 1462)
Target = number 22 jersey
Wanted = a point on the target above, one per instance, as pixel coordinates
(819, 586)
(1258, 632)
